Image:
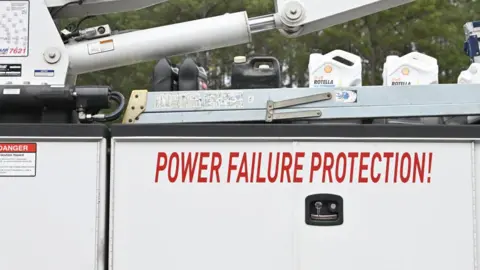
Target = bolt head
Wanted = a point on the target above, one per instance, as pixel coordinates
(51, 55)
(293, 11)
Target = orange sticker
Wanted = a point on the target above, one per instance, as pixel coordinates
(328, 69)
(405, 71)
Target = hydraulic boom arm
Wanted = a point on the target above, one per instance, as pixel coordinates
(304, 17)
(293, 18)
(34, 45)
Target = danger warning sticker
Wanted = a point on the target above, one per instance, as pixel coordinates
(18, 159)
(294, 167)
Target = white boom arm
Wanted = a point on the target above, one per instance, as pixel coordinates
(33, 52)
(155, 43)
(304, 17)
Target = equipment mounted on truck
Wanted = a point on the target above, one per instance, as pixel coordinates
(77, 195)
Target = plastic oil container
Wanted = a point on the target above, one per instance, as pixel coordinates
(471, 76)
(411, 69)
(256, 72)
(335, 69)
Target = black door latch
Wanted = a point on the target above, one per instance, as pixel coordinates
(324, 210)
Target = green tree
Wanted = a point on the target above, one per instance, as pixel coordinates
(433, 27)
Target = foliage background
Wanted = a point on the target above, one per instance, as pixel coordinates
(433, 27)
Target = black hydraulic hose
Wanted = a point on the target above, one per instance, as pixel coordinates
(56, 11)
(120, 99)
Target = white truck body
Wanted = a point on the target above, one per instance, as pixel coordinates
(406, 197)
(53, 197)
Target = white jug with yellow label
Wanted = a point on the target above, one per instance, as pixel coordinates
(335, 69)
(411, 69)
(470, 76)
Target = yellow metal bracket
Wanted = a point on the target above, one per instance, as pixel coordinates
(136, 106)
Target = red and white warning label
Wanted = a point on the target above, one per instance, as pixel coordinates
(18, 159)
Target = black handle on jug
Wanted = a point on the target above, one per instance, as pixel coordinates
(265, 59)
(342, 60)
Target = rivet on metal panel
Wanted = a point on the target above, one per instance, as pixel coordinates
(136, 106)
(270, 104)
(269, 117)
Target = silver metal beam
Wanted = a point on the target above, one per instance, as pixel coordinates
(310, 103)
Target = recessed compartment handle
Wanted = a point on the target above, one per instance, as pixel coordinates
(324, 210)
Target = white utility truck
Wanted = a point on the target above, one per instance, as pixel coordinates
(303, 197)
(163, 191)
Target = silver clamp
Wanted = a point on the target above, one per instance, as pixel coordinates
(272, 105)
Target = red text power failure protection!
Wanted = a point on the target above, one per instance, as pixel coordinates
(294, 167)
